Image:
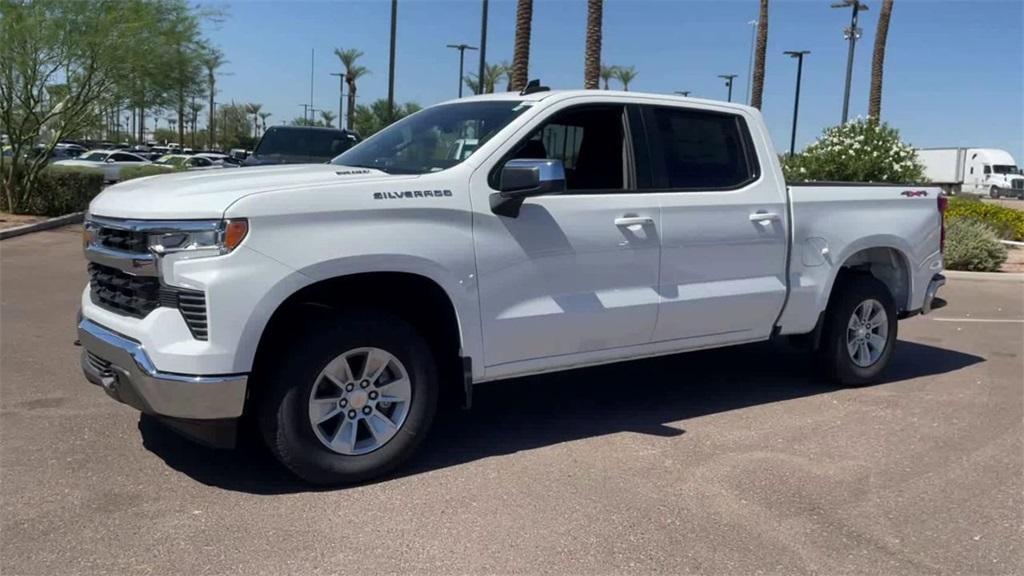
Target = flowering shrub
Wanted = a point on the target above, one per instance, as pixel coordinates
(1007, 223)
(858, 151)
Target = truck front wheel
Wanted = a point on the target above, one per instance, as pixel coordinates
(350, 399)
(859, 332)
(993, 192)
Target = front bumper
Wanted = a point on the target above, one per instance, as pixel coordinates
(123, 369)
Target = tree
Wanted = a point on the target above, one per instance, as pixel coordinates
(212, 59)
(194, 109)
(328, 117)
(370, 119)
(64, 71)
(254, 109)
(353, 73)
(757, 89)
(878, 60)
(607, 73)
(592, 58)
(264, 116)
(521, 53)
(625, 74)
(492, 74)
(234, 126)
(858, 151)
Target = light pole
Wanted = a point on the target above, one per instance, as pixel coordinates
(341, 95)
(750, 63)
(462, 52)
(799, 55)
(305, 110)
(391, 62)
(728, 82)
(483, 48)
(852, 34)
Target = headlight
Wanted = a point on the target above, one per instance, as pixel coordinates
(198, 239)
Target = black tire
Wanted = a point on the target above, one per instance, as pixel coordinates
(284, 409)
(849, 293)
(993, 193)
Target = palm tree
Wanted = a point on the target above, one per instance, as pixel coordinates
(352, 73)
(625, 74)
(607, 73)
(592, 58)
(492, 74)
(212, 60)
(521, 52)
(328, 117)
(507, 73)
(264, 116)
(757, 89)
(194, 109)
(878, 61)
(254, 109)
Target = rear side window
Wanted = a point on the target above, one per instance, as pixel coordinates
(699, 150)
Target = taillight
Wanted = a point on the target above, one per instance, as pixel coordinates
(943, 202)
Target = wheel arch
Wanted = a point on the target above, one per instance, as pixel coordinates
(885, 259)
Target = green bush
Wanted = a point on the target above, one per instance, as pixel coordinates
(972, 245)
(858, 151)
(1007, 223)
(61, 190)
(133, 172)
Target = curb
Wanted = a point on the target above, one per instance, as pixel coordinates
(73, 218)
(996, 276)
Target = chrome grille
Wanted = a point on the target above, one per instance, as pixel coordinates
(121, 239)
(192, 306)
(121, 292)
(1017, 183)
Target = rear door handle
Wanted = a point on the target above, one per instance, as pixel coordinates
(764, 217)
(634, 221)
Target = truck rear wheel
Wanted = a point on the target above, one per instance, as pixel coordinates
(859, 332)
(350, 399)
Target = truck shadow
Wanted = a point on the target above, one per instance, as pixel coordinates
(644, 396)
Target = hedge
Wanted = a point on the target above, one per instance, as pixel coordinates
(61, 190)
(1007, 223)
(133, 172)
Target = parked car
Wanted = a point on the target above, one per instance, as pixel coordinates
(335, 301)
(182, 161)
(221, 159)
(974, 170)
(300, 145)
(111, 162)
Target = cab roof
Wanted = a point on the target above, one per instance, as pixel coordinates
(558, 95)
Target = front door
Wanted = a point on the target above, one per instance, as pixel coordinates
(575, 272)
(723, 227)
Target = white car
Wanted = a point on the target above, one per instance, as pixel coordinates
(182, 161)
(111, 162)
(335, 301)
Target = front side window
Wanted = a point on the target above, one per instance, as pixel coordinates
(95, 157)
(699, 150)
(988, 169)
(433, 139)
(591, 143)
(126, 158)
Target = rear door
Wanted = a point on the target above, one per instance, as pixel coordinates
(575, 272)
(723, 225)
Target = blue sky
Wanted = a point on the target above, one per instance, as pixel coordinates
(954, 69)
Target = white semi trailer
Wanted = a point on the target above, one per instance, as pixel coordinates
(973, 170)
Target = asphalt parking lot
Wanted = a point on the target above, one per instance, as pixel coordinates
(736, 461)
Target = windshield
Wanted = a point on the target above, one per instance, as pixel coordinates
(311, 142)
(1005, 169)
(171, 160)
(95, 156)
(433, 139)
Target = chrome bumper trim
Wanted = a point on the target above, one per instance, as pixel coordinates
(123, 369)
(938, 281)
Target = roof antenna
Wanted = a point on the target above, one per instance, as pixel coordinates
(533, 86)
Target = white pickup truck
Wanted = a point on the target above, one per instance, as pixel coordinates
(333, 302)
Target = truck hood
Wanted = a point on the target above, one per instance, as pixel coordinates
(208, 193)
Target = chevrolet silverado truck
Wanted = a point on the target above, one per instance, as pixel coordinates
(336, 302)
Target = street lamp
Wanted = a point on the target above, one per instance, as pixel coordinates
(462, 53)
(483, 47)
(728, 82)
(750, 63)
(341, 95)
(852, 34)
(799, 55)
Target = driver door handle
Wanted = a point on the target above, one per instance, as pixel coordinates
(764, 217)
(634, 221)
